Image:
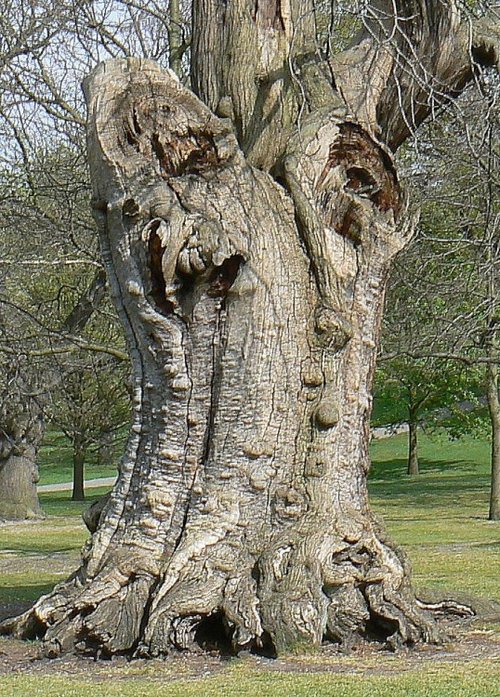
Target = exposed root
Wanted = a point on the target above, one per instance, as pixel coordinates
(446, 608)
(301, 591)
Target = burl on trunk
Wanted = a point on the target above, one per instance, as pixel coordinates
(248, 255)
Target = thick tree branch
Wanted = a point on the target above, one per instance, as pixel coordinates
(255, 63)
(78, 344)
(86, 305)
(410, 58)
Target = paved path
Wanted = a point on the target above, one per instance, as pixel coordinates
(388, 431)
(67, 486)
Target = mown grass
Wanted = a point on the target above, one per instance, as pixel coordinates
(440, 516)
(61, 533)
(60, 505)
(475, 679)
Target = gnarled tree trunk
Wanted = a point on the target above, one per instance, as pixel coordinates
(21, 433)
(248, 256)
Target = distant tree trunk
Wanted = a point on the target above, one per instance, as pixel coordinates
(494, 411)
(175, 37)
(412, 441)
(79, 452)
(21, 433)
(248, 257)
(18, 494)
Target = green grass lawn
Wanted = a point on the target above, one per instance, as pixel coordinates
(475, 680)
(440, 517)
(59, 537)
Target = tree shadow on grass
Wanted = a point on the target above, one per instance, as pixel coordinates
(59, 503)
(44, 549)
(396, 468)
(437, 481)
(23, 594)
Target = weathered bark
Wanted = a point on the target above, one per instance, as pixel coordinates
(412, 444)
(243, 491)
(257, 63)
(248, 259)
(494, 411)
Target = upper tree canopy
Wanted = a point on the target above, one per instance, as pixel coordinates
(260, 63)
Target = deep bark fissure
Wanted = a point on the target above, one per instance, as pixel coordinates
(158, 287)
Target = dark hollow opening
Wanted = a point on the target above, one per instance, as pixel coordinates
(213, 634)
(379, 628)
(266, 648)
(359, 179)
(158, 287)
(224, 276)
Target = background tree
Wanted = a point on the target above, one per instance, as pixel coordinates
(434, 392)
(444, 292)
(37, 324)
(92, 400)
(45, 51)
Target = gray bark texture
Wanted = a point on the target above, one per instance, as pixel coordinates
(248, 254)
